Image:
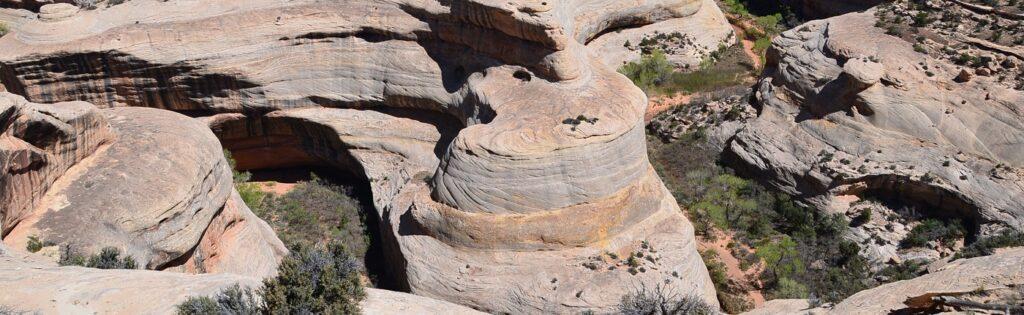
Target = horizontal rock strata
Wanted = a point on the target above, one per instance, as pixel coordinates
(460, 115)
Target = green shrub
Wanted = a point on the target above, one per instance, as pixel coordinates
(986, 246)
(933, 229)
(782, 232)
(315, 280)
(780, 257)
(3, 29)
(650, 72)
(315, 211)
(864, 216)
(233, 300)
(661, 301)
(107, 258)
(198, 305)
(789, 289)
(35, 245)
(111, 3)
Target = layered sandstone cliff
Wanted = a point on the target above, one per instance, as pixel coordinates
(457, 113)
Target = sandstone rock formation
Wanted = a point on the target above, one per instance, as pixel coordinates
(848, 112)
(698, 35)
(455, 112)
(981, 275)
(150, 182)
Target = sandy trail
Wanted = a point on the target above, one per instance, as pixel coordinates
(732, 265)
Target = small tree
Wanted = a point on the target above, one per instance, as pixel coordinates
(662, 301)
(320, 280)
(233, 300)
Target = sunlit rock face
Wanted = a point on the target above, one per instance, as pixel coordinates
(848, 112)
(503, 154)
(152, 183)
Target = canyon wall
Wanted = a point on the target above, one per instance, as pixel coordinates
(506, 159)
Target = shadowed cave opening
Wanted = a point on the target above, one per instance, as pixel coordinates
(279, 165)
(285, 179)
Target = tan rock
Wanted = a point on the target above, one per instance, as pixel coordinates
(150, 182)
(455, 112)
(1001, 270)
(908, 125)
(57, 12)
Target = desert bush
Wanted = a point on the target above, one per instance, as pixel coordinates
(789, 289)
(198, 305)
(107, 258)
(315, 211)
(934, 229)
(650, 72)
(986, 246)
(35, 245)
(233, 300)
(3, 29)
(662, 301)
(315, 280)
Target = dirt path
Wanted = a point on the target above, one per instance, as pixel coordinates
(732, 265)
(658, 104)
(276, 188)
(748, 46)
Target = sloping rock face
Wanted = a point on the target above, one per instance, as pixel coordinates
(982, 275)
(88, 290)
(500, 205)
(685, 41)
(848, 112)
(150, 182)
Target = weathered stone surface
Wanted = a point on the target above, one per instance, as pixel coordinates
(43, 287)
(87, 290)
(57, 12)
(495, 204)
(385, 302)
(150, 182)
(703, 33)
(786, 307)
(38, 143)
(890, 123)
(989, 273)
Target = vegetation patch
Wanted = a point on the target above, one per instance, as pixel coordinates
(320, 279)
(654, 74)
(804, 252)
(315, 211)
(660, 300)
(987, 246)
(107, 258)
(934, 230)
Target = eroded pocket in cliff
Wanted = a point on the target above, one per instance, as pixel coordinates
(898, 219)
(317, 174)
